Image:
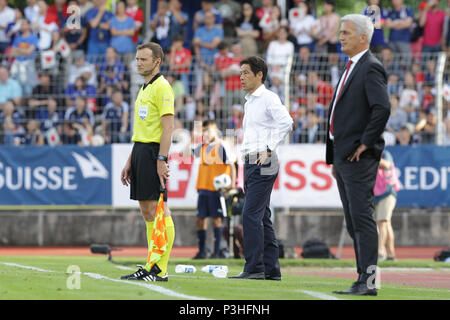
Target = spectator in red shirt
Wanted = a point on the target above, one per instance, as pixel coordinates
(180, 60)
(428, 99)
(57, 13)
(323, 89)
(432, 21)
(227, 63)
(419, 76)
(134, 12)
(266, 9)
(221, 62)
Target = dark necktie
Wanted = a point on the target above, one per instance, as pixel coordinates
(339, 94)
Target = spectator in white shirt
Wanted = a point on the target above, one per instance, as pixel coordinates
(45, 30)
(398, 118)
(7, 16)
(278, 53)
(409, 99)
(85, 6)
(32, 10)
(83, 68)
(302, 24)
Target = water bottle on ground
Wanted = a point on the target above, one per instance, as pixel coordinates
(184, 268)
(220, 272)
(210, 268)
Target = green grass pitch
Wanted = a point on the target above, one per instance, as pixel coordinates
(49, 277)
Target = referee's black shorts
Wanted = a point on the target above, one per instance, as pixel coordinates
(145, 184)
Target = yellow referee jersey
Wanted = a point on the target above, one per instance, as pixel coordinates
(154, 100)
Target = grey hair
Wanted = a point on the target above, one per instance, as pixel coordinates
(363, 24)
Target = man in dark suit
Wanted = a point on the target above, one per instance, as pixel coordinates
(358, 114)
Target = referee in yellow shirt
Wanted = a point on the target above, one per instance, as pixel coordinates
(146, 169)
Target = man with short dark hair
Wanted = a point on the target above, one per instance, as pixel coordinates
(266, 123)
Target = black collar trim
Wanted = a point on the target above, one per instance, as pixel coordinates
(152, 80)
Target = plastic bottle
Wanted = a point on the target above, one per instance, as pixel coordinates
(210, 268)
(220, 273)
(184, 268)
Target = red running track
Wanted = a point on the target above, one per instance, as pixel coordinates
(425, 253)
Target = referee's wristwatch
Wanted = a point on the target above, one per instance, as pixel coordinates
(162, 158)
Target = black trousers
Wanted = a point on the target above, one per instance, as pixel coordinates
(260, 245)
(355, 181)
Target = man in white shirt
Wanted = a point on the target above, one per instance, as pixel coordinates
(7, 15)
(266, 123)
(83, 68)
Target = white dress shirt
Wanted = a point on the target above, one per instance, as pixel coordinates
(355, 60)
(7, 15)
(266, 121)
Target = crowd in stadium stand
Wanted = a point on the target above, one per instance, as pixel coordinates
(65, 76)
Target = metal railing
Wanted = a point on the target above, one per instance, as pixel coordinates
(33, 111)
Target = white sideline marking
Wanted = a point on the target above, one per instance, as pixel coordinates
(146, 285)
(25, 267)
(152, 287)
(319, 295)
(124, 268)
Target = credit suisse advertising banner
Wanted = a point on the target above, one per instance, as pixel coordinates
(72, 175)
(424, 173)
(304, 180)
(65, 175)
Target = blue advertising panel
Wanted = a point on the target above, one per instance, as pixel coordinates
(424, 172)
(65, 175)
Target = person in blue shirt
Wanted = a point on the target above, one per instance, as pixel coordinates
(122, 30)
(80, 114)
(206, 40)
(115, 119)
(99, 20)
(33, 135)
(9, 87)
(70, 134)
(179, 19)
(207, 7)
(9, 112)
(49, 117)
(11, 123)
(24, 50)
(79, 88)
(378, 14)
(75, 37)
(111, 70)
(399, 21)
(25, 45)
(111, 73)
(160, 23)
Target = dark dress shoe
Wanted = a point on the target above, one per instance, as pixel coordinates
(247, 275)
(360, 289)
(276, 278)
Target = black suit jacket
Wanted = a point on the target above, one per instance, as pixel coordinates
(362, 111)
